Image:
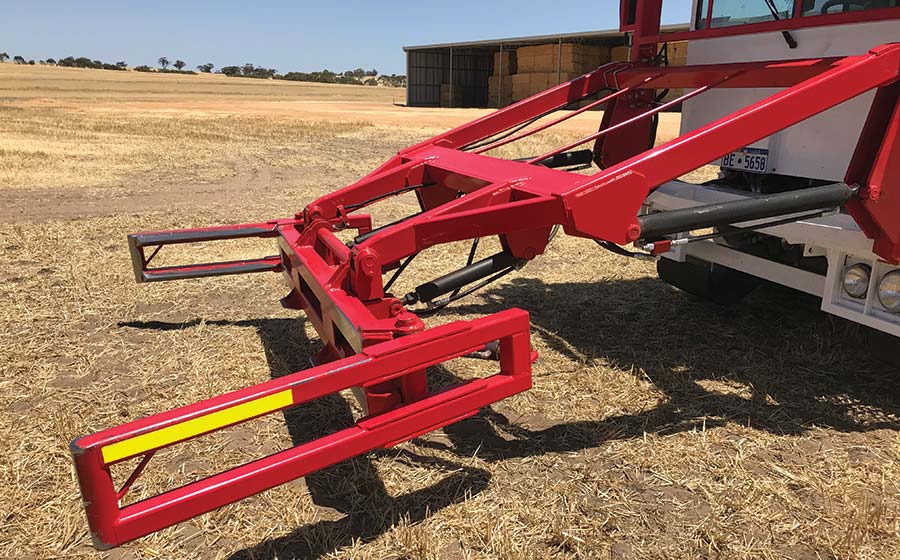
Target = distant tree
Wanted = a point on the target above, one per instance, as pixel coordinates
(18, 59)
(179, 64)
(372, 72)
(247, 69)
(393, 80)
(31, 62)
(143, 68)
(261, 72)
(51, 61)
(3, 57)
(163, 62)
(122, 64)
(205, 68)
(231, 70)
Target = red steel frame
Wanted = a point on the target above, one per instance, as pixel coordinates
(373, 343)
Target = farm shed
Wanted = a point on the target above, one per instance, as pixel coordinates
(497, 72)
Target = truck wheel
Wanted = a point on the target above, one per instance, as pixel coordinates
(710, 281)
(884, 347)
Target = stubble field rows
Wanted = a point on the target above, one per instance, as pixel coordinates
(659, 426)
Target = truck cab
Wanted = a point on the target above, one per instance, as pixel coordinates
(829, 257)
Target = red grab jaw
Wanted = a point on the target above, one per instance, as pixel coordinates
(112, 525)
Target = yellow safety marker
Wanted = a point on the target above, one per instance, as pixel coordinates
(196, 426)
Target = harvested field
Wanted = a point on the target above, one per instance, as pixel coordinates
(659, 426)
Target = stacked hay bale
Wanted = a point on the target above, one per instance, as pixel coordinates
(523, 72)
(521, 87)
(620, 54)
(500, 83)
(544, 66)
(677, 53)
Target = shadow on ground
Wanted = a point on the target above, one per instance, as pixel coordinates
(804, 369)
(352, 488)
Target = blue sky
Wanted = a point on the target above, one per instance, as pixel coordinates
(299, 35)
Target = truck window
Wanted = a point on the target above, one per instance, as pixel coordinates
(727, 13)
(825, 7)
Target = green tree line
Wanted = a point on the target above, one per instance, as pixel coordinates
(358, 76)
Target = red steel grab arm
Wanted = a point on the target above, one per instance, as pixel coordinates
(112, 524)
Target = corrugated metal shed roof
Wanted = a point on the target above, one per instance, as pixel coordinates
(602, 34)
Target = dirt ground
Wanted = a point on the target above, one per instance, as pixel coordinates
(659, 426)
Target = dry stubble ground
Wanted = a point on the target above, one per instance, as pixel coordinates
(659, 426)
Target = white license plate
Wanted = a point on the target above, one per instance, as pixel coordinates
(754, 160)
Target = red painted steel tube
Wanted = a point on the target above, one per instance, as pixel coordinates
(517, 113)
(627, 122)
(137, 242)
(112, 525)
(765, 74)
(205, 270)
(214, 233)
(555, 122)
(407, 168)
(647, 20)
(335, 247)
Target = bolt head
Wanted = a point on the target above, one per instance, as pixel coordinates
(314, 213)
(396, 309)
(633, 233)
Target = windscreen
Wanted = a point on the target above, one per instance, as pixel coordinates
(726, 13)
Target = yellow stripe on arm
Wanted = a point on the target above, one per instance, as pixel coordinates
(195, 426)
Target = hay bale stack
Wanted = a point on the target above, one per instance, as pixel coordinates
(620, 54)
(505, 63)
(500, 83)
(678, 53)
(526, 85)
(521, 86)
(500, 91)
(544, 80)
(543, 66)
(523, 72)
(568, 57)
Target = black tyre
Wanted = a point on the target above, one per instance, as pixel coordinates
(709, 281)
